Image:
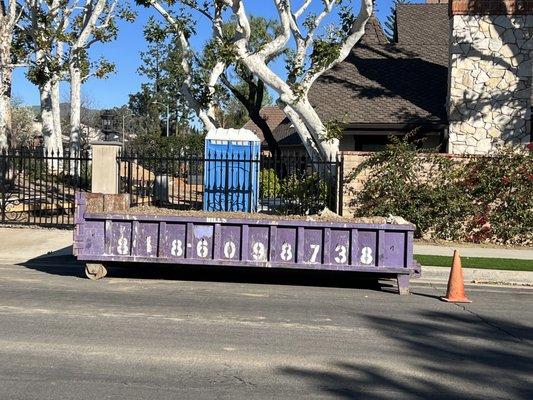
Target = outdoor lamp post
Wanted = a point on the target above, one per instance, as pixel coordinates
(108, 122)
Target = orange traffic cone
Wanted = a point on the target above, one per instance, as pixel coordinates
(456, 287)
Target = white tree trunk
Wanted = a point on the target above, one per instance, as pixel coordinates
(8, 19)
(75, 116)
(75, 107)
(5, 106)
(305, 110)
(316, 153)
(56, 111)
(47, 117)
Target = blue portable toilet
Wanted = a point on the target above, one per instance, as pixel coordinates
(231, 170)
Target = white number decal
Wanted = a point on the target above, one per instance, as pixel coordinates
(314, 255)
(366, 256)
(286, 252)
(201, 248)
(149, 244)
(122, 247)
(341, 254)
(230, 249)
(258, 251)
(177, 248)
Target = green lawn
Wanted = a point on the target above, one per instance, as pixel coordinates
(477, 262)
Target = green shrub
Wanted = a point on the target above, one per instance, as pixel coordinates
(304, 193)
(269, 184)
(479, 199)
(501, 187)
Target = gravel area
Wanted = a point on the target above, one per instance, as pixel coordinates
(327, 216)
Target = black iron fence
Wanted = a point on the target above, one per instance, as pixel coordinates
(287, 183)
(37, 186)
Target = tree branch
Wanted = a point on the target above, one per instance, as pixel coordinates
(357, 31)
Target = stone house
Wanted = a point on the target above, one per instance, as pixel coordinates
(459, 76)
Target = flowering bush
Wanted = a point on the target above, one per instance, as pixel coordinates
(478, 199)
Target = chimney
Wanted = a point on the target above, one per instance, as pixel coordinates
(490, 74)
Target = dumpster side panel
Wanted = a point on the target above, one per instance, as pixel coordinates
(145, 239)
(257, 243)
(393, 249)
(230, 242)
(367, 241)
(94, 237)
(174, 241)
(285, 251)
(313, 247)
(119, 238)
(339, 247)
(200, 243)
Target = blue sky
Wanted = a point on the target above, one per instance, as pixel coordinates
(114, 90)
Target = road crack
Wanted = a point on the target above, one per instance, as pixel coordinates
(485, 321)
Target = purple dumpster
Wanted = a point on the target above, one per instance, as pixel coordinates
(118, 236)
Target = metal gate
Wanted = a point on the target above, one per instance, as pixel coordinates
(37, 187)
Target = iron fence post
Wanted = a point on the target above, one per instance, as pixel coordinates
(3, 168)
(340, 183)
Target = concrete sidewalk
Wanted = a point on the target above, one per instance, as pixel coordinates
(474, 251)
(22, 244)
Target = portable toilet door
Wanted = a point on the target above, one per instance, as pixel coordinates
(231, 170)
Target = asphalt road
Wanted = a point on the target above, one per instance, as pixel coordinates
(155, 333)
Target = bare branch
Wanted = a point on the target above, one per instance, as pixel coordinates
(278, 43)
(302, 9)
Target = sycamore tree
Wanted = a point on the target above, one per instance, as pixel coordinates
(248, 93)
(10, 13)
(312, 54)
(236, 97)
(96, 23)
(206, 68)
(58, 35)
(318, 44)
(42, 22)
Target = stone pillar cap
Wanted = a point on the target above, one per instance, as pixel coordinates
(104, 143)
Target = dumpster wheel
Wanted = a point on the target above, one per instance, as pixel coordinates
(95, 271)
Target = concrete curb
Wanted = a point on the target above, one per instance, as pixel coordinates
(476, 275)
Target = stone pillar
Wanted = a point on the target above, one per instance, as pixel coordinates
(105, 169)
(490, 74)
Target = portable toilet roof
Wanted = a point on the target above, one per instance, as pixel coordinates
(234, 135)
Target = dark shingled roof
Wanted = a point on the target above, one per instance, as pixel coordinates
(273, 116)
(423, 24)
(398, 83)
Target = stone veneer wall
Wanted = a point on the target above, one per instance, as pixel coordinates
(490, 81)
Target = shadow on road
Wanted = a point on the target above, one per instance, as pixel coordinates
(449, 356)
(67, 265)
